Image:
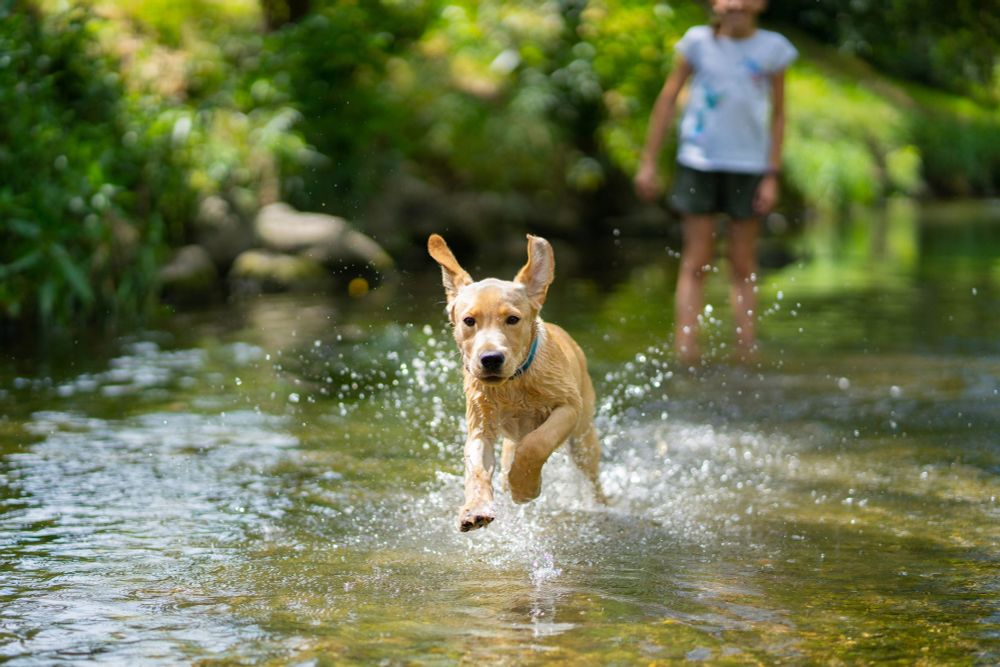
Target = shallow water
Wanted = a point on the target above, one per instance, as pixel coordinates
(276, 482)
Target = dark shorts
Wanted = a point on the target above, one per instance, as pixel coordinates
(700, 192)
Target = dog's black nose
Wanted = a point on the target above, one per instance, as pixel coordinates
(492, 361)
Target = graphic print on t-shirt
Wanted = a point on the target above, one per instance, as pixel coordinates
(724, 125)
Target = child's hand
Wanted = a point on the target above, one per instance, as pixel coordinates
(767, 195)
(646, 182)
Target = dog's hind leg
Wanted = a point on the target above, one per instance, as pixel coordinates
(586, 453)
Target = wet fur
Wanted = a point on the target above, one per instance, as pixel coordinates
(533, 412)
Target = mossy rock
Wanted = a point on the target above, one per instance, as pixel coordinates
(190, 276)
(265, 271)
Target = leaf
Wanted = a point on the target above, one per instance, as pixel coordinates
(24, 228)
(46, 300)
(71, 272)
(21, 264)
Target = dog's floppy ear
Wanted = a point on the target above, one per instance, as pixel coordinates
(537, 274)
(453, 275)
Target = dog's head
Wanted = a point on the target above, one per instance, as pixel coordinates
(494, 321)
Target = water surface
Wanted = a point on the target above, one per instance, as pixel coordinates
(276, 482)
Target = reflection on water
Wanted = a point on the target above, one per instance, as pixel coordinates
(283, 489)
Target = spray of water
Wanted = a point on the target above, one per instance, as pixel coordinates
(669, 480)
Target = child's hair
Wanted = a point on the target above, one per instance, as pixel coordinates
(714, 21)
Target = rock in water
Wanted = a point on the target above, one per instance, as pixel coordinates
(326, 239)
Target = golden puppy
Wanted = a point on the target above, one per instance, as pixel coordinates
(525, 380)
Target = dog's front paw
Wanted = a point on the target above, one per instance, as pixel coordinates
(524, 479)
(476, 516)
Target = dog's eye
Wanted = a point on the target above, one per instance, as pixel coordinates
(469, 321)
(513, 319)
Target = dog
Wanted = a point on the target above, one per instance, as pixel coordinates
(525, 381)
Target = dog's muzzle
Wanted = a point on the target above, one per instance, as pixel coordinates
(492, 362)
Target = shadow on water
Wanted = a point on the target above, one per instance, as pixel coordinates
(277, 482)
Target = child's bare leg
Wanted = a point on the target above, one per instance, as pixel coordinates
(696, 258)
(743, 235)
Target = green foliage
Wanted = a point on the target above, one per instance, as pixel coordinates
(481, 86)
(949, 45)
(170, 21)
(842, 140)
(855, 136)
(101, 171)
(67, 170)
(632, 69)
(491, 95)
(144, 108)
(332, 69)
(555, 98)
(960, 142)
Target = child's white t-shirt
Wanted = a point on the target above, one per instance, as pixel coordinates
(725, 126)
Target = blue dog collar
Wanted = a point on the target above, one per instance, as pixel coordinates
(531, 357)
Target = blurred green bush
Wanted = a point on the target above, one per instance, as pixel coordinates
(946, 45)
(142, 108)
(70, 167)
(102, 171)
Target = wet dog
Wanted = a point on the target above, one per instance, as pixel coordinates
(526, 381)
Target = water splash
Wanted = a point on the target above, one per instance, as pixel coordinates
(326, 511)
(544, 570)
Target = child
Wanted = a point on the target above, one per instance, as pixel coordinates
(729, 156)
